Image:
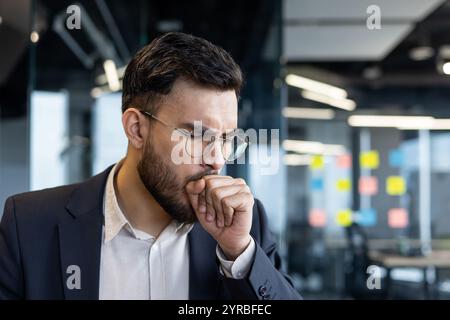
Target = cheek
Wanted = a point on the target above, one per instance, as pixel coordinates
(163, 149)
(162, 146)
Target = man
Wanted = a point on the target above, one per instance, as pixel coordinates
(152, 227)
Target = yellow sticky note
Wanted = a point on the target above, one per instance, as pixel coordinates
(395, 186)
(369, 159)
(344, 217)
(343, 185)
(317, 162)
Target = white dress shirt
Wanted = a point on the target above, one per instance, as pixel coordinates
(136, 265)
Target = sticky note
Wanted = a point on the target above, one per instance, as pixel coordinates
(317, 162)
(317, 218)
(368, 186)
(396, 158)
(395, 185)
(343, 185)
(344, 217)
(344, 161)
(367, 217)
(317, 184)
(398, 218)
(369, 159)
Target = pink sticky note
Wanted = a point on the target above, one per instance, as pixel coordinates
(368, 186)
(398, 218)
(317, 218)
(344, 161)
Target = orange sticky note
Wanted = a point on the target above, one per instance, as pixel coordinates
(398, 218)
(368, 186)
(395, 186)
(369, 159)
(344, 217)
(317, 162)
(344, 185)
(317, 218)
(344, 161)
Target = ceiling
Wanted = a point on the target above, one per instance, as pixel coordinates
(374, 66)
(327, 30)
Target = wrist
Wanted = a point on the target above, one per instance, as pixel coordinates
(234, 251)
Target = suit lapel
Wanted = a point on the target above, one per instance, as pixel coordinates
(80, 237)
(204, 271)
(80, 243)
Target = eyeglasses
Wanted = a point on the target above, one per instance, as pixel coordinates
(233, 145)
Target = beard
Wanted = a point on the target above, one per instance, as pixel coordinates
(161, 181)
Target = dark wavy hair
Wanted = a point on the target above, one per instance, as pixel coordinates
(153, 70)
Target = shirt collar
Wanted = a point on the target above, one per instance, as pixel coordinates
(115, 220)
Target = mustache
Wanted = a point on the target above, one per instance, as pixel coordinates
(201, 174)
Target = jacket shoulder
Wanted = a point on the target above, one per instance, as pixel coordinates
(54, 203)
(45, 202)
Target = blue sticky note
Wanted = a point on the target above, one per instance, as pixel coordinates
(396, 158)
(367, 217)
(317, 184)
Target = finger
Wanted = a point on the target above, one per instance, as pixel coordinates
(203, 218)
(219, 181)
(224, 217)
(211, 184)
(217, 177)
(193, 190)
(202, 204)
(239, 202)
(215, 209)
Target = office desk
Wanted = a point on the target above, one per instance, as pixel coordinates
(439, 259)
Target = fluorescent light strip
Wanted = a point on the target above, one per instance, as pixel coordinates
(297, 160)
(345, 104)
(313, 147)
(101, 79)
(308, 113)
(446, 68)
(111, 75)
(399, 122)
(316, 86)
(404, 122)
(435, 124)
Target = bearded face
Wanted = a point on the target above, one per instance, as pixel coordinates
(186, 104)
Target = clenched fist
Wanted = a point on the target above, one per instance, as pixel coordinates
(223, 206)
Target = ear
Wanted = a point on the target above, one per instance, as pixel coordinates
(135, 126)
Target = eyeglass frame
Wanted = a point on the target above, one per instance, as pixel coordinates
(189, 134)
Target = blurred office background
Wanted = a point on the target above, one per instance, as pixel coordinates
(359, 90)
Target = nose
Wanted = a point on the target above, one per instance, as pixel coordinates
(213, 156)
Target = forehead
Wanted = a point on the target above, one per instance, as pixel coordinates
(188, 102)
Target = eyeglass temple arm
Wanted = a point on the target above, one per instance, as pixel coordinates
(156, 118)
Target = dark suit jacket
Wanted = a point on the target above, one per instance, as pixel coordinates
(44, 232)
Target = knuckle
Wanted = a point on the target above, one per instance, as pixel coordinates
(215, 194)
(209, 184)
(226, 201)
